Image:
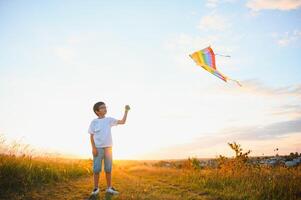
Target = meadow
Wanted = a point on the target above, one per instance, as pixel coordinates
(29, 177)
(19, 175)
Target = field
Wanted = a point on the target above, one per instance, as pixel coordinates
(27, 177)
(61, 179)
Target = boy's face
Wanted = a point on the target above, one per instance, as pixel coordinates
(102, 110)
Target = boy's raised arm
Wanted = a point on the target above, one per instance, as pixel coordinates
(123, 120)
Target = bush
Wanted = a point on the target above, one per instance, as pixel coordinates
(239, 162)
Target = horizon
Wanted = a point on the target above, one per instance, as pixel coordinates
(44, 153)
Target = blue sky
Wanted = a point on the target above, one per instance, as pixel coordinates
(58, 58)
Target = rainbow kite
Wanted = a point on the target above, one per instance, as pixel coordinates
(206, 59)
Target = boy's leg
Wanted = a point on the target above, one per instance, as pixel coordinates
(97, 161)
(109, 179)
(108, 165)
(96, 180)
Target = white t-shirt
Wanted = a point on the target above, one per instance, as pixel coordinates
(101, 130)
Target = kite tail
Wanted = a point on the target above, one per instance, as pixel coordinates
(235, 81)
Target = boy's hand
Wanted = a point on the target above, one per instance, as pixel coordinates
(94, 151)
(127, 108)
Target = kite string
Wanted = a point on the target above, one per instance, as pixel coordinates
(222, 55)
(228, 77)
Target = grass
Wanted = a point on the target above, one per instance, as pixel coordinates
(21, 177)
(249, 182)
(144, 180)
(20, 172)
(252, 183)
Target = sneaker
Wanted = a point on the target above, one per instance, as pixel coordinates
(112, 190)
(95, 191)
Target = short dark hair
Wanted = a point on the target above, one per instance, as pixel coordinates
(96, 106)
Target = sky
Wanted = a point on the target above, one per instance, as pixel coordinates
(58, 58)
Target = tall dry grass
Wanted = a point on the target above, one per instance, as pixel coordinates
(248, 182)
(237, 178)
(21, 169)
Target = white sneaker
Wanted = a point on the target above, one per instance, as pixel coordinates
(112, 190)
(95, 191)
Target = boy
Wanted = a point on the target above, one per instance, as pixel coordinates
(101, 141)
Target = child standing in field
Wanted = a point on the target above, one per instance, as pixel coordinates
(101, 141)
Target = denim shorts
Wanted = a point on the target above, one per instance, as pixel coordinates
(103, 153)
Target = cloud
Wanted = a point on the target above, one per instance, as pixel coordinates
(250, 134)
(256, 87)
(186, 42)
(255, 132)
(269, 131)
(213, 21)
(212, 3)
(215, 3)
(287, 38)
(293, 110)
(257, 5)
(280, 102)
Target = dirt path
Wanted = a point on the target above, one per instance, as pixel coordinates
(136, 186)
